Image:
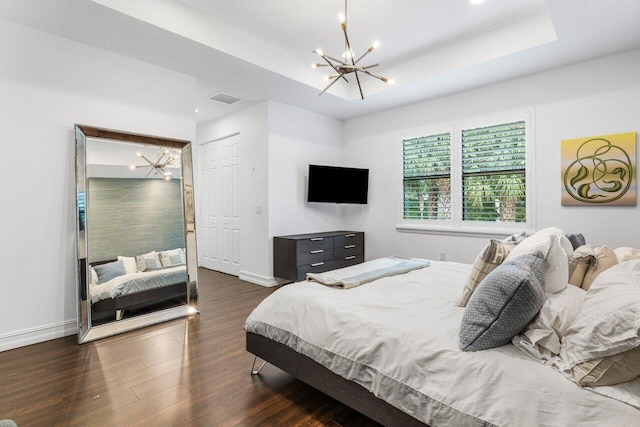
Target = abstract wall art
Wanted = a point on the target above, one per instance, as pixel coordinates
(599, 170)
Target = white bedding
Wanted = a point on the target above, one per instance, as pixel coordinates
(113, 287)
(398, 337)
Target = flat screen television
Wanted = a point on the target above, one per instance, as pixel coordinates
(332, 184)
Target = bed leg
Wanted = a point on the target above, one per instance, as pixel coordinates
(119, 314)
(255, 371)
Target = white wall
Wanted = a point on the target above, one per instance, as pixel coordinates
(298, 138)
(598, 97)
(48, 84)
(277, 142)
(251, 126)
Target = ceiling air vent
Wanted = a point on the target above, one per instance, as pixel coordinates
(225, 98)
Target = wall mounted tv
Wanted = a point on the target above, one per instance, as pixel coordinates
(332, 184)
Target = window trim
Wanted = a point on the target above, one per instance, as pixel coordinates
(456, 226)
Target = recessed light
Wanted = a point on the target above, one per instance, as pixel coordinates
(195, 111)
(477, 1)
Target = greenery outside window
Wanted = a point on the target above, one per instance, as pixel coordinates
(469, 177)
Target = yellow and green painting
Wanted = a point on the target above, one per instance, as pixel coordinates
(599, 170)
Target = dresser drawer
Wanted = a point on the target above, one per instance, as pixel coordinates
(349, 260)
(314, 256)
(326, 266)
(348, 251)
(313, 244)
(348, 239)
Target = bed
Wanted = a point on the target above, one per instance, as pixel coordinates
(389, 349)
(134, 290)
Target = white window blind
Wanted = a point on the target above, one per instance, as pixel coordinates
(493, 173)
(427, 177)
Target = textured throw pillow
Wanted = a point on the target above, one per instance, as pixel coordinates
(504, 303)
(556, 275)
(172, 258)
(147, 262)
(606, 326)
(109, 271)
(129, 263)
(579, 263)
(604, 259)
(491, 256)
(539, 242)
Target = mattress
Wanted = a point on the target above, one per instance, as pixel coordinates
(398, 338)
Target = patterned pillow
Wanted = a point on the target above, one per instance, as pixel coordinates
(504, 304)
(491, 256)
(173, 257)
(148, 262)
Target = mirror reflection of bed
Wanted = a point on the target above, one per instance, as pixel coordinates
(135, 229)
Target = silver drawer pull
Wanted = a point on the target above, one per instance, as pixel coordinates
(317, 264)
(319, 251)
(350, 246)
(349, 235)
(350, 257)
(316, 239)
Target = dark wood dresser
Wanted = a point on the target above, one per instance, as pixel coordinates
(296, 255)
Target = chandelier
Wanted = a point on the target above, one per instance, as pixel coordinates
(165, 158)
(348, 65)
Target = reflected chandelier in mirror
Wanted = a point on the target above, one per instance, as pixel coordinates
(135, 231)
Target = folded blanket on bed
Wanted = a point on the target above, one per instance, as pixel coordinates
(356, 275)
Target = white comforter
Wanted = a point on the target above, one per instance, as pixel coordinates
(113, 287)
(398, 337)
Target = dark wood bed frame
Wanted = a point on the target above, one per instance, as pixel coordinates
(317, 376)
(106, 309)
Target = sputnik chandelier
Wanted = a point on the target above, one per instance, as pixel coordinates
(166, 157)
(349, 65)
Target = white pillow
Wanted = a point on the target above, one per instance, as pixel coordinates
(556, 275)
(626, 253)
(539, 242)
(608, 320)
(129, 264)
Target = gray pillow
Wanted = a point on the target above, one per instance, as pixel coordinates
(109, 271)
(504, 304)
(576, 239)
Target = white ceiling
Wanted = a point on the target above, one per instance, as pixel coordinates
(262, 49)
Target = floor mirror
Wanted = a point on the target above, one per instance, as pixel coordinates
(136, 255)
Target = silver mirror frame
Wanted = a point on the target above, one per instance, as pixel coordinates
(87, 332)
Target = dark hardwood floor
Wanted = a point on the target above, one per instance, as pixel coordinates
(185, 372)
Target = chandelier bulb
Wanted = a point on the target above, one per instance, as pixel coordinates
(342, 18)
(375, 45)
(319, 52)
(132, 167)
(316, 65)
(139, 154)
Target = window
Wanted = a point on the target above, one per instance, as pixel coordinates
(467, 177)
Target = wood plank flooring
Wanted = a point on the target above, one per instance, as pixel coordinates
(187, 372)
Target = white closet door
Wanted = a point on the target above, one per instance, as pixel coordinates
(220, 212)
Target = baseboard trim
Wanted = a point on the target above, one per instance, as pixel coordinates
(38, 334)
(258, 279)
